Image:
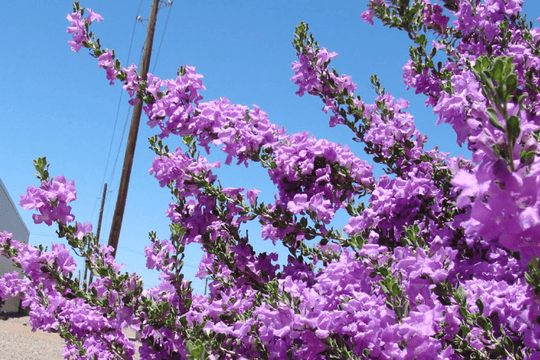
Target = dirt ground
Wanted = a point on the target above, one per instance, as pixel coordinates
(19, 342)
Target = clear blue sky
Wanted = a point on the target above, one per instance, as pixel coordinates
(58, 104)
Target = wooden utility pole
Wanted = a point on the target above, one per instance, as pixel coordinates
(101, 211)
(132, 137)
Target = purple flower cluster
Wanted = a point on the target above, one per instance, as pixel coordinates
(195, 213)
(506, 205)
(78, 28)
(56, 307)
(500, 192)
(387, 131)
(315, 177)
(51, 200)
(440, 262)
(434, 18)
(355, 311)
(311, 67)
(241, 132)
(396, 203)
(307, 166)
(182, 169)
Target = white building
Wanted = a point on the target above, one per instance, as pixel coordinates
(10, 221)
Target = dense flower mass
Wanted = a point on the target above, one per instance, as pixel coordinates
(438, 259)
(498, 123)
(317, 174)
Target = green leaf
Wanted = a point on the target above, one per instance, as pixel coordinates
(513, 128)
(489, 84)
(493, 118)
(410, 234)
(527, 157)
(521, 98)
(421, 40)
(511, 84)
(479, 64)
(509, 65)
(508, 343)
(366, 353)
(484, 323)
(497, 71)
(480, 305)
(395, 289)
(464, 329)
(461, 295)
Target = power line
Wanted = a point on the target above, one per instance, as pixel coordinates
(137, 19)
(120, 102)
(132, 137)
(169, 3)
(118, 110)
(120, 147)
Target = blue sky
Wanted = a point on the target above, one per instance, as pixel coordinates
(58, 104)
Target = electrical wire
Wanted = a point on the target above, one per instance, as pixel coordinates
(120, 145)
(162, 35)
(137, 19)
(118, 112)
(111, 177)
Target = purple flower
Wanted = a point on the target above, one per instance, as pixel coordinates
(92, 16)
(83, 229)
(298, 204)
(77, 30)
(106, 62)
(252, 196)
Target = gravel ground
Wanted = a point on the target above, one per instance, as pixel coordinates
(19, 342)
